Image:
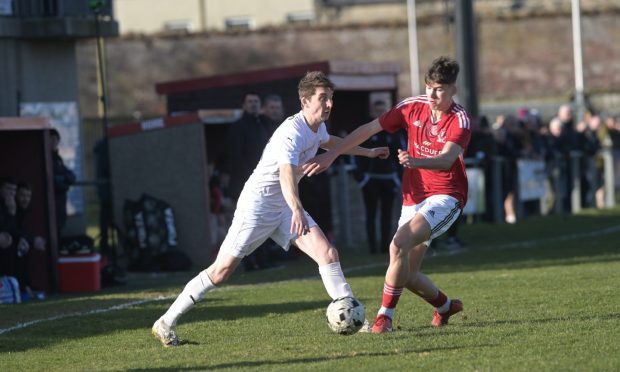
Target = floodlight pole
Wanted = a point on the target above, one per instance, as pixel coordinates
(466, 51)
(578, 60)
(413, 48)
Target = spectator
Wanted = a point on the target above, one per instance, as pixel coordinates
(379, 181)
(273, 111)
(508, 150)
(23, 199)
(557, 163)
(63, 179)
(592, 164)
(13, 248)
(246, 139)
(483, 148)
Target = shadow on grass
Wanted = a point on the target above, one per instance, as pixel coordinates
(306, 362)
(49, 333)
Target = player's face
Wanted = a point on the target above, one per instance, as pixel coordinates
(23, 197)
(319, 106)
(251, 104)
(440, 95)
(274, 110)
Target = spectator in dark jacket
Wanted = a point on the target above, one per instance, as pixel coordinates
(63, 179)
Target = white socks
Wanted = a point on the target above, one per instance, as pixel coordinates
(334, 281)
(445, 307)
(389, 312)
(193, 292)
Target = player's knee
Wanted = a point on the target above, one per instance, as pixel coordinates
(399, 247)
(332, 255)
(220, 273)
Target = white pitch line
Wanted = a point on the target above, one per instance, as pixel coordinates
(83, 313)
(526, 243)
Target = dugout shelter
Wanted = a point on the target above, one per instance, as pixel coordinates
(26, 153)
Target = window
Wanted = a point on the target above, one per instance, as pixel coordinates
(300, 18)
(239, 23)
(178, 26)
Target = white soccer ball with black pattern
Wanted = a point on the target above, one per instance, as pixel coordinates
(345, 315)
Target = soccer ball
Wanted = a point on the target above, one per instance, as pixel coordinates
(345, 315)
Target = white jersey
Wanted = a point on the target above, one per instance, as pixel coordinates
(292, 143)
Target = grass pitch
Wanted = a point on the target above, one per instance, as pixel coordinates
(538, 295)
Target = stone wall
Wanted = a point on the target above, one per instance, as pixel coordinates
(520, 59)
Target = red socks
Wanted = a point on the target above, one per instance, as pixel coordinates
(438, 301)
(390, 296)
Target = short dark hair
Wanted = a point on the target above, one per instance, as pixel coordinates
(443, 70)
(313, 79)
(55, 132)
(24, 185)
(272, 98)
(250, 93)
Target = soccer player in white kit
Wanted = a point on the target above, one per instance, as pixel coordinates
(269, 205)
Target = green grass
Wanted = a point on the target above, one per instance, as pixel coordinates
(539, 295)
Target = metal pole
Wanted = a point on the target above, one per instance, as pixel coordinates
(578, 60)
(609, 187)
(96, 7)
(414, 66)
(466, 51)
(575, 174)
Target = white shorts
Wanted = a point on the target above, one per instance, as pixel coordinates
(250, 228)
(440, 211)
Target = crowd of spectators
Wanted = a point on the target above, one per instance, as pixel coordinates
(560, 143)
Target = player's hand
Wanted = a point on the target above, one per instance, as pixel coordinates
(317, 164)
(405, 159)
(379, 152)
(39, 243)
(5, 240)
(299, 223)
(22, 247)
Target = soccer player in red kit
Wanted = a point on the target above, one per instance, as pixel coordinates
(434, 185)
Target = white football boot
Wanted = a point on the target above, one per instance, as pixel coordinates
(165, 333)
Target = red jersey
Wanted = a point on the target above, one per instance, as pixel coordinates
(426, 139)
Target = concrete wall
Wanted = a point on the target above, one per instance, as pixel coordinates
(168, 164)
(36, 71)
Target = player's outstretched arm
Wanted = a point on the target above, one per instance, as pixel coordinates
(444, 160)
(375, 152)
(321, 162)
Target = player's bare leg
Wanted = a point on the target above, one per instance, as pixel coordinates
(217, 273)
(316, 246)
(424, 287)
(407, 238)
